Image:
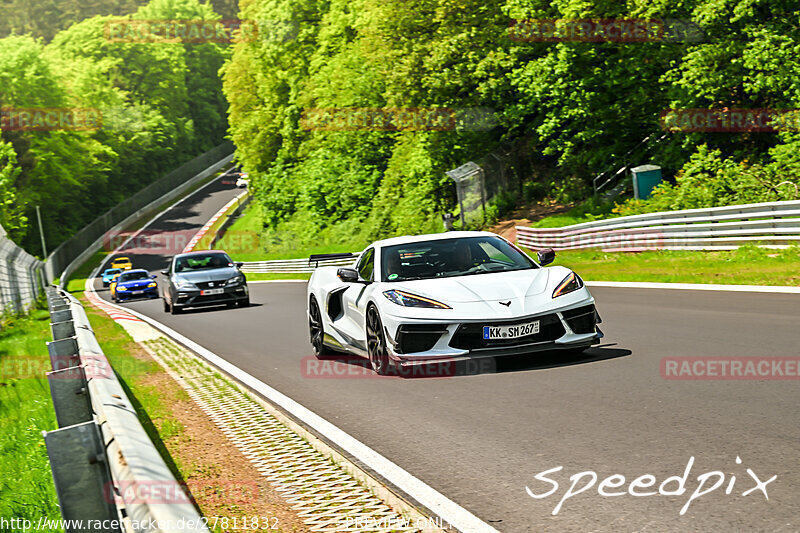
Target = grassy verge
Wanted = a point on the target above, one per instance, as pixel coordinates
(749, 265)
(26, 483)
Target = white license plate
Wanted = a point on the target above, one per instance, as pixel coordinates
(209, 292)
(510, 332)
(137, 292)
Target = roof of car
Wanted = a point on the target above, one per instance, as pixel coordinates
(202, 252)
(432, 237)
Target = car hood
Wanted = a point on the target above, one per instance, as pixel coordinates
(136, 283)
(217, 274)
(479, 287)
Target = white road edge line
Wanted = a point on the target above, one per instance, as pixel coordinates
(438, 503)
(696, 286)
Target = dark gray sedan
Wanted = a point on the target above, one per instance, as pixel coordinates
(203, 278)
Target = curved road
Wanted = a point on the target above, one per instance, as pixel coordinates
(480, 437)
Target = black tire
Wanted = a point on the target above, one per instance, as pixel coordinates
(166, 305)
(376, 343)
(245, 302)
(316, 331)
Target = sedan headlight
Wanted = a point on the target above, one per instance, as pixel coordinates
(121, 289)
(183, 285)
(571, 283)
(412, 300)
(151, 285)
(235, 280)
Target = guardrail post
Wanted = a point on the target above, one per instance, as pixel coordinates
(82, 478)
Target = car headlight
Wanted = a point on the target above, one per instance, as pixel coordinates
(152, 284)
(235, 280)
(121, 289)
(571, 283)
(183, 285)
(412, 300)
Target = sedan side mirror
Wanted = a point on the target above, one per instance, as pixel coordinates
(546, 256)
(153, 276)
(348, 275)
(239, 265)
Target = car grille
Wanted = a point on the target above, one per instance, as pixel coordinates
(470, 336)
(581, 319)
(210, 284)
(413, 338)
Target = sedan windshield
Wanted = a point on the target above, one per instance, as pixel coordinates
(133, 276)
(451, 257)
(192, 263)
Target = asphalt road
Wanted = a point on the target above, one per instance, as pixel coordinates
(481, 438)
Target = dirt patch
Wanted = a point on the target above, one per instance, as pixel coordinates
(525, 216)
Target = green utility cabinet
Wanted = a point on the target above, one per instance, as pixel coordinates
(645, 179)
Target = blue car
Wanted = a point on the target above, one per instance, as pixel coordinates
(133, 284)
(108, 275)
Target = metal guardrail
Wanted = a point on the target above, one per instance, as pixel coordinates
(290, 266)
(771, 224)
(105, 467)
(20, 277)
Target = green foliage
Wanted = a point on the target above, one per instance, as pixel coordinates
(161, 104)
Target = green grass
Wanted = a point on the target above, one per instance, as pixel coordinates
(587, 212)
(243, 241)
(77, 280)
(26, 483)
(749, 265)
(263, 277)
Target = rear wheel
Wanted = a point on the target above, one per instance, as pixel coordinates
(316, 331)
(376, 343)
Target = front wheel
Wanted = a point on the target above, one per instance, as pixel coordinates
(376, 343)
(316, 332)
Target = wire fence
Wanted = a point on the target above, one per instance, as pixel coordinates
(21, 278)
(480, 183)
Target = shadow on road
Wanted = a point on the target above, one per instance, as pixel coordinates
(510, 363)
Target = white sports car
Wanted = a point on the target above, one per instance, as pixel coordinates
(451, 296)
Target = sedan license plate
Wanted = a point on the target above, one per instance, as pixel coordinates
(510, 332)
(137, 292)
(209, 292)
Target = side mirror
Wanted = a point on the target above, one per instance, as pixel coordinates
(153, 276)
(239, 265)
(164, 273)
(546, 256)
(348, 275)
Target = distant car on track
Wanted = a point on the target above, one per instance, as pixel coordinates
(122, 263)
(133, 284)
(109, 274)
(204, 278)
(448, 297)
(243, 180)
